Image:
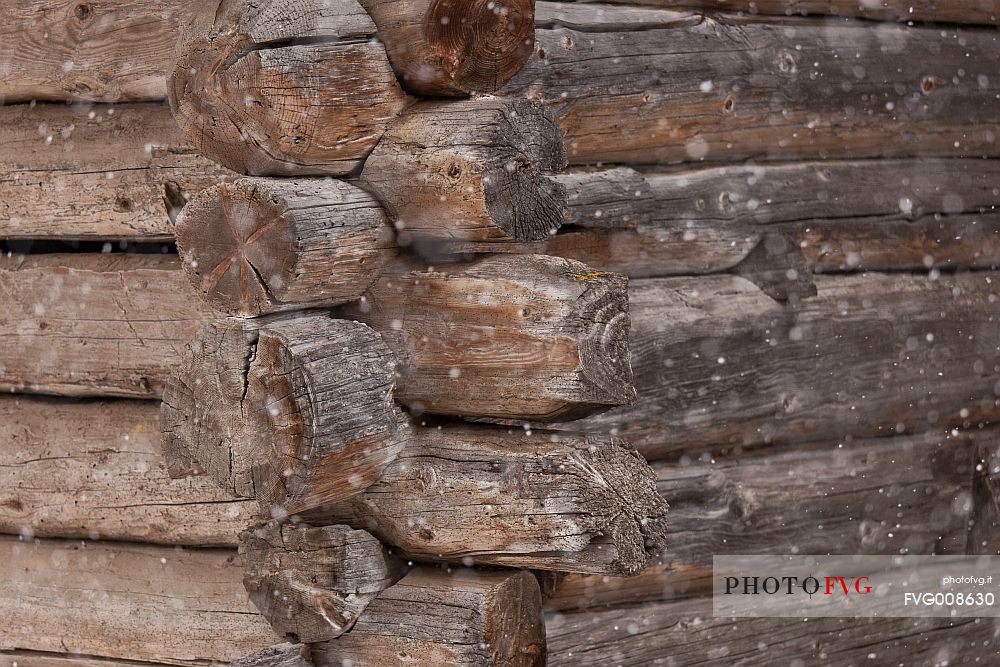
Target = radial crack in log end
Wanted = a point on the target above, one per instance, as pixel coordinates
(497, 497)
(472, 170)
(262, 245)
(511, 337)
(452, 47)
(313, 583)
(294, 411)
(268, 91)
(460, 617)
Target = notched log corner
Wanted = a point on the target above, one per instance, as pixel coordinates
(312, 584)
(295, 411)
(261, 245)
(470, 170)
(266, 91)
(511, 337)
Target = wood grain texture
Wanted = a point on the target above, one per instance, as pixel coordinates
(262, 245)
(494, 497)
(143, 603)
(470, 170)
(730, 89)
(265, 88)
(310, 583)
(453, 48)
(721, 365)
(103, 50)
(688, 634)
(984, 527)
(861, 214)
(295, 412)
(899, 495)
(40, 659)
(86, 325)
(95, 470)
(95, 171)
(511, 337)
(432, 618)
(279, 655)
(984, 12)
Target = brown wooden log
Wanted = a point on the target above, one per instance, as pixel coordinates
(295, 413)
(34, 659)
(494, 497)
(730, 89)
(984, 527)
(511, 337)
(687, 633)
(95, 172)
(266, 91)
(279, 655)
(86, 324)
(985, 12)
(95, 470)
(899, 495)
(871, 354)
(144, 603)
(433, 618)
(262, 245)
(470, 171)
(451, 48)
(312, 584)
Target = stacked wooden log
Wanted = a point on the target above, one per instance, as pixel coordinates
(421, 248)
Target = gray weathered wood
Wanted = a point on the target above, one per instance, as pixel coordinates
(727, 89)
(986, 12)
(295, 413)
(686, 633)
(488, 496)
(899, 495)
(434, 618)
(524, 337)
(721, 365)
(146, 603)
(470, 171)
(95, 470)
(261, 245)
(95, 172)
(85, 325)
(268, 91)
(984, 528)
(312, 584)
(279, 655)
(449, 48)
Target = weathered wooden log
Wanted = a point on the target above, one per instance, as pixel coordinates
(986, 12)
(261, 245)
(897, 495)
(470, 171)
(510, 337)
(103, 599)
(687, 633)
(267, 91)
(295, 413)
(730, 89)
(84, 325)
(451, 48)
(95, 172)
(461, 617)
(871, 354)
(493, 497)
(312, 584)
(33, 659)
(984, 528)
(95, 470)
(279, 655)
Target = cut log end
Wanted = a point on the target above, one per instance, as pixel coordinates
(452, 48)
(295, 414)
(260, 245)
(312, 584)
